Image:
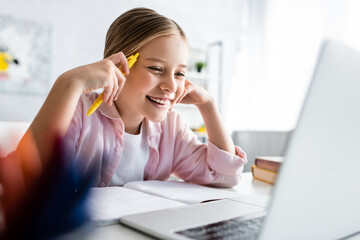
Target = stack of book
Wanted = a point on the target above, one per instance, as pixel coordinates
(266, 168)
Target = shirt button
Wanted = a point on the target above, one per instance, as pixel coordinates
(102, 184)
(117, 149)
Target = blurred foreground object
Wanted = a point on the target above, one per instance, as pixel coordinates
(41, 199)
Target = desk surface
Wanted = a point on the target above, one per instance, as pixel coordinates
(247, 186)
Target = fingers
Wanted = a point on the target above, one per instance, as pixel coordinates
(120, 60)
(111, 90)
(114, 89)
(121, 81)
(106, 94)
(116, 84)
(185, 92)
(106, 74)
(187, 89)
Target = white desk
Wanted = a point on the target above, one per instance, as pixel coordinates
(248, 186)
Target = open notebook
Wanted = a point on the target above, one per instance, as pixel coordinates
(107, 205)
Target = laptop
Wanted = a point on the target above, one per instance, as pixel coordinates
(317, 193)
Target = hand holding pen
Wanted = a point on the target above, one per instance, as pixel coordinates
(105, 95)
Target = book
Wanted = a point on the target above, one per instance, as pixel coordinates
(107, 205)
(263, 174)
(271, 163)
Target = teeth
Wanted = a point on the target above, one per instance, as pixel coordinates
(160, 101)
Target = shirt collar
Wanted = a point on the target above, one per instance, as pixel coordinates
(109, 111)
(152, 128)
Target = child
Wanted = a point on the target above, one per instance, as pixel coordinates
(135, 135)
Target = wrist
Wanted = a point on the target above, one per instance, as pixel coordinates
(207, 105)
(71, 83)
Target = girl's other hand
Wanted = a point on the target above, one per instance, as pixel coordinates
(194, 94)
(103, 74)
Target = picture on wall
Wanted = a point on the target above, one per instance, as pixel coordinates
(25, 56)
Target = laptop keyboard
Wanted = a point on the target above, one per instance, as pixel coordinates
(232, 229)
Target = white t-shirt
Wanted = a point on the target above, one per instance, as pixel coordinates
(133, 160)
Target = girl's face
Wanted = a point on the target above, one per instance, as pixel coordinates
(155, 82)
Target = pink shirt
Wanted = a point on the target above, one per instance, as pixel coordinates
(174, 148)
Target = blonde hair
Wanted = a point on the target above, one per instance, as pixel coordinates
(135, 28)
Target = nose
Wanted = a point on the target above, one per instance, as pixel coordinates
(168, 84)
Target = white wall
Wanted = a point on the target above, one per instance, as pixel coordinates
(79, 28)
(275, 64)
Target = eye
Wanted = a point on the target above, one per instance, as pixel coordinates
(180, 74)
(156, 69)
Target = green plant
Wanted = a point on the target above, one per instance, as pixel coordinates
(200, 65)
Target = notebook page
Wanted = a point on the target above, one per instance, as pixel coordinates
(181, 191)
(107, 204)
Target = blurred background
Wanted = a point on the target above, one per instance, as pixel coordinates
(255, 56)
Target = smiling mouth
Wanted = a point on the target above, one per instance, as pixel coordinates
(158, 101)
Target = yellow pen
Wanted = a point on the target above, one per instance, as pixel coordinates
(131, 60)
